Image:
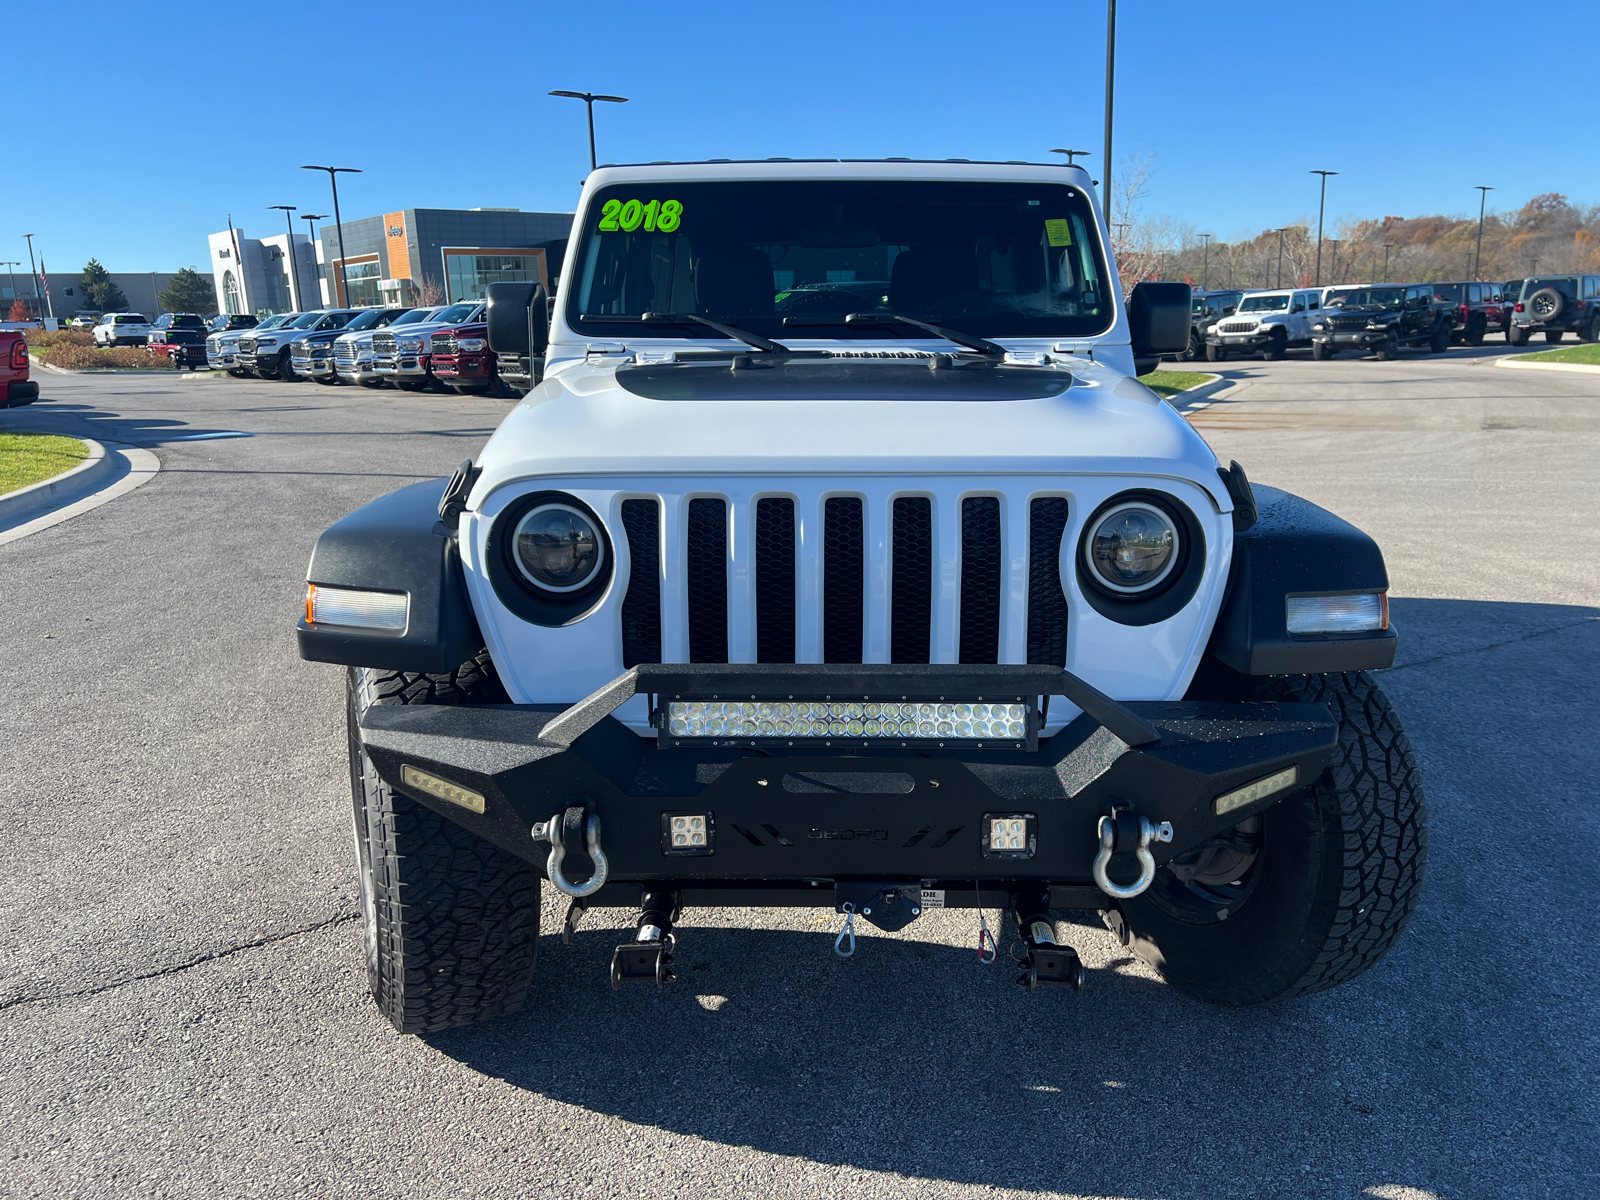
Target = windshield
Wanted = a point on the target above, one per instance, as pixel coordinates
(1264, 304)
(414, 316)
(188, 321)
(305, 320)
(129, 319)
(276, 319)
(456, 312)
(992, 259)
(367, 319)
(1372, 297)
(337, 320)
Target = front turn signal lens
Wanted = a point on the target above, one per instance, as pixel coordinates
(356, 609)
(1367, 612)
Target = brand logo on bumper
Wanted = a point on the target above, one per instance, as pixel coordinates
(850, 835)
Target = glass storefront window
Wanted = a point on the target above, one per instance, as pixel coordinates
(469, 275)
(362, 282)
(230, 294)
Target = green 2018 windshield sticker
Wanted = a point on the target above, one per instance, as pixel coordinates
(656, 216)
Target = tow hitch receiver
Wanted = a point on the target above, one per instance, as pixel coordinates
(889, 906)
(1045, 962)
(648, 958)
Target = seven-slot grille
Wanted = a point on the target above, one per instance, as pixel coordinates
(1237, 327)
(761, 595)
(1348, 324)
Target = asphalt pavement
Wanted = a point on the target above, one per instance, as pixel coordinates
(182, 998)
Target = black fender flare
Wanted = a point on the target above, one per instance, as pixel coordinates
(397, 543)
(1296, 548)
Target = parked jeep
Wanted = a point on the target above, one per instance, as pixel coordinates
(1207, 308)
(311, 355)
(1382, 320)
(1478, 309)
(266, 353)
(1271, 322)
(227, 322)
(461, 358)
(929, 603)
(1554, 305)
(353, 354)
(403, 356)
(180, 338)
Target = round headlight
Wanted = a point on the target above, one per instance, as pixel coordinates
(558, 548)
(1132, 547)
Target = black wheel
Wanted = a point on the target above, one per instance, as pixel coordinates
(1439, 343)
(1195, 348)
(1321, 351)
(1474, 334)
(1313, 891)
(1591, 331)
(1554, 335)
(1516, 335)
(451, 921)
(1388, 348)
(1276, 347)
(1215, 353)
(1546, 304)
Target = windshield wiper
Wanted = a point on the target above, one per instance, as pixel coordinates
(753, 340)
(970, 341)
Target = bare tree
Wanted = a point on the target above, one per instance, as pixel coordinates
(430, 293)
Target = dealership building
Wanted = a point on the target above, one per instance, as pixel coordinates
(410, 257)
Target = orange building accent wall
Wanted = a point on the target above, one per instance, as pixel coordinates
(394, 226)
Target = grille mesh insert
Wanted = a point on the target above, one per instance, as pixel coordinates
(843, 579)
(1047, 603)
(911, 598)
(707, 577)
(774, 563)
(641, 607)
(980, 579)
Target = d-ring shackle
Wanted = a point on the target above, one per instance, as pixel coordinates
(1147, 864)
(551, 831)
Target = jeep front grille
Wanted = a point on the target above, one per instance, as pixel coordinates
(745, 586)
(1347, 324)
(1237, 327)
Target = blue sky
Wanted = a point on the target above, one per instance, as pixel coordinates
(444, 105)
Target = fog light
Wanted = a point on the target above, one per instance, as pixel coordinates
(364, 610)
(687, 833)
(1009, 835)
(443, 789)
(1259, 790)
(1364, 613)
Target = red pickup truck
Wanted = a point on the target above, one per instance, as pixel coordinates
(462, 360)
(16, 389)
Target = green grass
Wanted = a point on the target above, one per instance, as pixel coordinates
(1168, 384)
(1588, 354)
(28, 458)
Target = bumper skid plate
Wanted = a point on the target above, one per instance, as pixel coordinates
(786, 827)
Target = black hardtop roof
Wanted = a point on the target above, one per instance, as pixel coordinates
(977, 162)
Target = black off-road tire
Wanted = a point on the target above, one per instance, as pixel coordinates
(1276, 347)
(451, 921)
(1195, 348)
(1388, 348)
(1321, 351)
(1554, 335)
(1591, 331)
(1216, 353)
(1516, 335)
(1475, 331)
(1337, 873)
(1439, 342)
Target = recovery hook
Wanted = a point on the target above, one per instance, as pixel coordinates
(577, 821)
(1123, 830)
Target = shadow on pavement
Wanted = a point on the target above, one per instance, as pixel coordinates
(913, 1059)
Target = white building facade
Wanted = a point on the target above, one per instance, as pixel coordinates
(276, 273)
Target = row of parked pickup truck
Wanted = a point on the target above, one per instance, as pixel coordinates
(416, 349)
(1385, 318)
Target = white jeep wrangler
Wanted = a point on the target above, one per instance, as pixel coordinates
(1272, 322)
(838, 558)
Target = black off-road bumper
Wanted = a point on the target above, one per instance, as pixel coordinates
(787, 824)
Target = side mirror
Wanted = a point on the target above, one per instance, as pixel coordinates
(519, 319)
(1158, 322)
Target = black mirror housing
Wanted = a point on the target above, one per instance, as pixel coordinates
(519, 319)
(1158, 322)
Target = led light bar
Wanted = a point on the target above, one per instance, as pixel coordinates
(441, 788)
(1364, 613)
(1259, 790)
(865, 721)
(362, 610)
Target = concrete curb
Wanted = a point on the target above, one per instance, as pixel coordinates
(26, 503)
(1520, 364)
(126, 467)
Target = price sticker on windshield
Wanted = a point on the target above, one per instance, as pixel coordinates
(656, 216)
(1059, 231)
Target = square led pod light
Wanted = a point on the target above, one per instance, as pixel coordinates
(1010, 835)
(688, 834)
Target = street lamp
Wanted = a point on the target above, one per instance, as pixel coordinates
(1321, 208)
(1483, 200)
(1386, 249)
(1280, 233)
(311, 238)
(1334, 269)
(588, 99)
(294, 264)
(1111, 76)
(344, 267)
(1205, 269)
(1071, 153)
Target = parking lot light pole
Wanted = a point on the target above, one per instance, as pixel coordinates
(1205, 262)
(1333, 268)
(344, 267)
(1483, 201)
(308, 218)
(588, 99)
(1280, 233)
(294, 263)
(1321, 208)
(1386, 249)
(1072, 154)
